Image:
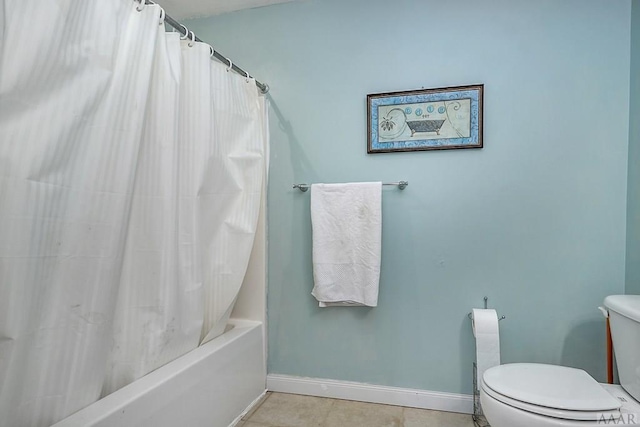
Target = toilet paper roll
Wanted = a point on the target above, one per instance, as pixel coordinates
(487, 333)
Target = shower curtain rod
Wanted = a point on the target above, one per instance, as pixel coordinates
(264, 88)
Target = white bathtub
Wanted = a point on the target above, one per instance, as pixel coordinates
(210, 386)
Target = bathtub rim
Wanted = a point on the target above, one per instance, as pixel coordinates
(104, 408)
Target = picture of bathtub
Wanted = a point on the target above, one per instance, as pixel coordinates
(425, 126)
(426, 119)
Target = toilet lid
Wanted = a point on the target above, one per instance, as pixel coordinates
(551, 412)
(549, 386)
(626, 305)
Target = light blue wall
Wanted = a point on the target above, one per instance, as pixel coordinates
(633, 207)
(535, 220)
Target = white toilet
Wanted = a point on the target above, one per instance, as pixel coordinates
(537, 395)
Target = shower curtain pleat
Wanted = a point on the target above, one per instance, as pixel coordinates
(131, 170)
(159, 314)
(72, 98)
(230, 192)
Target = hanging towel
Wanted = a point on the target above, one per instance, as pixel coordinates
(346, 221)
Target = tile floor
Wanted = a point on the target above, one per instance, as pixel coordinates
(293, 410)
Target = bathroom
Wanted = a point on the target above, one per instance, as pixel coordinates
(544, 219)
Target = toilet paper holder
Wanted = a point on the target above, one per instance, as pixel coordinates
(486, 303)
(479, 420)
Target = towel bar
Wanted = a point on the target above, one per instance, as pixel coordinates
(401, 185)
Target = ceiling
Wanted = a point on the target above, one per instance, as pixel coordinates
(181, 9)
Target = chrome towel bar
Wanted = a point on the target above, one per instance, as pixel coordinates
(401, 185)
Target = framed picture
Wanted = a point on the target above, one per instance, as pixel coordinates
(426, 119)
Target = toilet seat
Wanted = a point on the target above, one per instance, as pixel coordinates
(551, 391)
(552, 412)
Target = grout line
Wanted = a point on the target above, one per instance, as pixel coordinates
(255, 408)
(329, 410)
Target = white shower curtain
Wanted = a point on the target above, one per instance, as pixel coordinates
(131, 169)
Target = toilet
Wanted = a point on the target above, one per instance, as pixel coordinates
(539, 395)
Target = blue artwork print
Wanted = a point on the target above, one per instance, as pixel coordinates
(426, 119)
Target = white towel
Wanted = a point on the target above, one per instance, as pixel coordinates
(347, 233)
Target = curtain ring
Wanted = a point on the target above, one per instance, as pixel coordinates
(186, 33)
(140, 5)
(212, 50)
(230, 65)
(192, 36)
(247, 77)
(162, 15)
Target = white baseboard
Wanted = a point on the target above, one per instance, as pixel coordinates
(413, 398)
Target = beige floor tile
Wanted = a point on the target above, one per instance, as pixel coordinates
(359, 414)
(425, 418)
(291, 410)
(255, 407)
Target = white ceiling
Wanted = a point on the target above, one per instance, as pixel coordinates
(181, 9)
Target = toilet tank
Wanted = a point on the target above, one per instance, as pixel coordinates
(624, 317)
